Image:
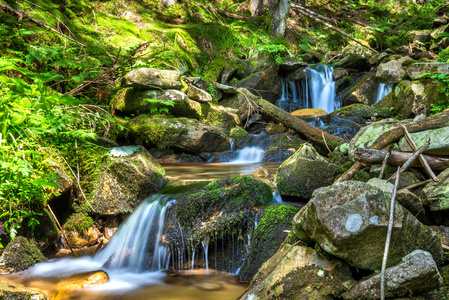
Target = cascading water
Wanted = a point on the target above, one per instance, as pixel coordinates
(384, 89)
(316, 91)
(253, 153)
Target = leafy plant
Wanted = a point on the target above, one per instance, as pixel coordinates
(159, 106)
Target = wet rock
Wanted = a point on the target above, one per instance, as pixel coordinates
(20, 254)
(309, 112)
(439, 141)
(364, 91)
(292, 65)
(417, 69)
(361, 110)
(145, 78)
(303, 172)
(131, 101)
(270, 233)
(225, 118)
(413, 204)
(392, 71)
(123, 182)
(198, 94)
(416, 274)
(65, 288)
(411, 98)
(297, 272)
(183, 134)
(12, 290)
(89, 238)
(436, 194)
(349, 220)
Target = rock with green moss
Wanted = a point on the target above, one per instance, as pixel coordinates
(393, 70)
(146, 78)
(123, 182)
(364, 91)
(366, 136)
(354, 57)
(297, 272)
(183, 134)
(439, 141)
(415, 275)
(279, 147)
(20, 254)
(219, 116)
(198, 94)
(411, 98)
(242, 102)
(46, 234)
(303, 172)
(349, 220)
(436, 194)
(132, 101)
(11, 290)
(362, 111)
(417, 69)
(270, 233)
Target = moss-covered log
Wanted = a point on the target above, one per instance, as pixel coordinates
(316, 136)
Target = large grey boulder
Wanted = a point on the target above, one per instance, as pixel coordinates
(146, 78)
(436, 194)
(415, 275)
(297, 272)
(303, 172)
(439, 141)
(417, 69)
(184, 134)
(279, 17)
(422, 36)
(354, 57)
(124, 181)
(392, 71)
(349, 220)
(198, 94)
(364, 91)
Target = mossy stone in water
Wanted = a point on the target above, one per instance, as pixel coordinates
(268, 237)
(20, 254)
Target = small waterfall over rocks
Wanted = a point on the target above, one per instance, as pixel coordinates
(317, 90)
(384, 89)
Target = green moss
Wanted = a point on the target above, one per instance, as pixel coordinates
(78, 222)
(20, 254)
(183, 189)
(274, 216)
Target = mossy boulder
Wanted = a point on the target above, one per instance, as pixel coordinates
(123, 182)
(183, 134)
(268, 236)
(415, 275)
(411, 98)
(20, 254)
(241, 102)
(130, 101)
(146, 78)
(16, 291)
(279, 147)
(297, 272)
(422, 36)
(361, 110)
(417, 69)
(439, 141)
(354, 57)
(366, 136)
(364, 91)
(303, 172)
(197, 94)
(219, 116)
(436, 194)
(349, 220)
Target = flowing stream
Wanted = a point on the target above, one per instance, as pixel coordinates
(384, 89)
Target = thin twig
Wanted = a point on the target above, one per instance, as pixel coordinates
(387, 242)
(411, 159)
(412, 186)
(322, 134)
(60, 227)
(384, 164)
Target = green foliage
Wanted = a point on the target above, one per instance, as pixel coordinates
(443, 79)
(277, 50)
(159, 106)
(78, 222)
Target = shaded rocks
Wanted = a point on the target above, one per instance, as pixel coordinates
(123, 182)
(303, 172)
(179, 133)
(146, 78)
(20, 254)
(297, 272)
(364, 91)
(349, 220)
(11, 290)
(268, 236)
(416, 69)
(436, 194)
(416, 274)
(439, 141)
(198, 94)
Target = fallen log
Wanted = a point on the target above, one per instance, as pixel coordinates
(313, 134)
(397, 158)
(433, 122)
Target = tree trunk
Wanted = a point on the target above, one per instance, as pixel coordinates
(317, 137)
(373, 157)
(256, 7)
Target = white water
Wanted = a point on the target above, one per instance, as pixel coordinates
(133, 257)
(384, 89)
(253, 153)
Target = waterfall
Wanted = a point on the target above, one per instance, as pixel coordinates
(384, 89)
(316, 91)
(137, 246)
(253, 153)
